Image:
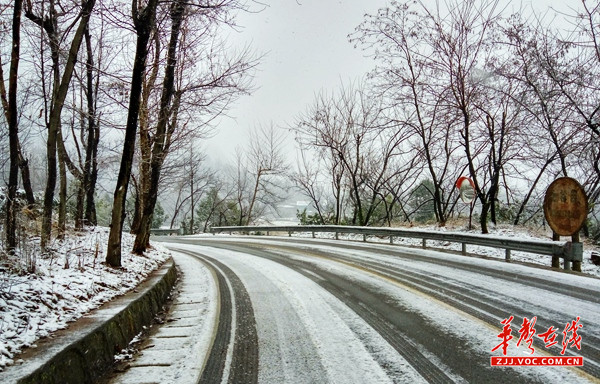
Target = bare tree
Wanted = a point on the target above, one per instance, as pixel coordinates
(47, 19)
(499, 130)
(461, 43)
(574, 71)
(194, 181)
(400, 39)
(360, 144)
(223, 82)
(143, 18)
(319, 130)
(310, 184)
(548, 137)
(10, 110)
(265, 162)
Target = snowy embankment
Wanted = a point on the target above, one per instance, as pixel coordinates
(65, 285)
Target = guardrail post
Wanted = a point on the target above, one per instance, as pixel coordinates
(464, 248)
(336, 236)
(364, 237)
(268, 233)
(555, 258)
(424, 243)
(573, 253)
(577, 254)
(391, 239)
(313, 234)
(289, 233)
(507, 254)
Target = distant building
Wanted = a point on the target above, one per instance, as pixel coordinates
(288, 211)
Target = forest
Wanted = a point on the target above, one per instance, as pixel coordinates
(459, 89)
(107, 105)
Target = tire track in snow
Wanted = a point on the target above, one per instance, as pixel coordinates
(407, 253)
(424, 363)
(235, 305)
(479, 304)
(328, 343)
(392, 323)
(287, 352)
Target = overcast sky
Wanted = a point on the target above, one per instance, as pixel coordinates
(306, 50)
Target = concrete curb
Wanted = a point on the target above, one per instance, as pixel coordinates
(85, 351)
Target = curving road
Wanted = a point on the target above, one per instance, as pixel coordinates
(318, 311)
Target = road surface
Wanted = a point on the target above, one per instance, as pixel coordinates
(319, 311)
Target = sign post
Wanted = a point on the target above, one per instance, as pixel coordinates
(565, 209)
(466, 191)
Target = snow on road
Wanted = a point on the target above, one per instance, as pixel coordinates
(174, 354)
(305, 333)
(477, 335)
(517, 292)
(308, 335)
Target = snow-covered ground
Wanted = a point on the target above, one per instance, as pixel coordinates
(75, 280)
(67, 284)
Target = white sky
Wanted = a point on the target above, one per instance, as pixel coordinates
(307, 51)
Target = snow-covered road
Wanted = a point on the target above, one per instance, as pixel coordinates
(317, 311)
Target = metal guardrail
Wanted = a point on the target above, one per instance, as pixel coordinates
(568, 251)
(166, 232)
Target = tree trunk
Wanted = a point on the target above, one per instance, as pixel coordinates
(90, 171)
(62, 201)
(192, 198)
(13, 130)
(90, 204)
(52, 127)
(254, 194)
(79, 207)
(144, 23)
(58, 98)
(137, 210)
(485, 207)
(145, 143)
(160, 145)
(338, 199)
(176, 210)
(26, 177)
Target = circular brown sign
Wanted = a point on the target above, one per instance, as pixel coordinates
(565, 206)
